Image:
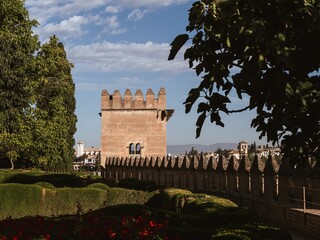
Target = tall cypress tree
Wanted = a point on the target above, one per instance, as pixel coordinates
(55, 105)
(17, 46)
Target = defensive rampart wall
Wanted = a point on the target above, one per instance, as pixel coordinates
(277, 192)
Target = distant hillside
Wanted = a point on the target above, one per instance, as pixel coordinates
(181, 149)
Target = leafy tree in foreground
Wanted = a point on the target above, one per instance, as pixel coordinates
(55, 107)
(267, 50)
(17, 46)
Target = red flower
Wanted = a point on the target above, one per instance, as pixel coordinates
(152, 223)
(111, 233)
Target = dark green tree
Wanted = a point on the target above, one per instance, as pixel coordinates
(267, 50)
(253, 148)
(55, 107)
(193, 151)
(218, 151)
(17, 46)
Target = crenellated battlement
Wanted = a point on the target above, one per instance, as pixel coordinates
(134, 124)
(115, 101)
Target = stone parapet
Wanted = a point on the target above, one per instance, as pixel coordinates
(200, 173)
(115, 101)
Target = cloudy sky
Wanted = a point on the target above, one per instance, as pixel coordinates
(120, 44)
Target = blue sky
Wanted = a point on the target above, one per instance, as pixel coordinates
(120, 44)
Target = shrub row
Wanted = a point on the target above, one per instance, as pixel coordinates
(58, 180)
(208, 211)
(19, 200)
(189, 215)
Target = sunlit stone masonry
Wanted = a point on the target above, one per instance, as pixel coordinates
(133, 126)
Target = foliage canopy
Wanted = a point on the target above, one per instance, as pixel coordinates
(37, 103)
(266, 50)
(55, 101)
(17, 46)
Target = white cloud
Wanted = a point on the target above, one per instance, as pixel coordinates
(137, 14)
(112, 9)
(66, 17)
(112, 26)
(87, 86)
(43, 10)
(149, 3)
(119, 57)
(66, 28)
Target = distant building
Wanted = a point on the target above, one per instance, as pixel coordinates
(86, 157)
(243, 149)
(234, 153)
(92, 154)
(80, 149)
(263, 151)
(133, 125)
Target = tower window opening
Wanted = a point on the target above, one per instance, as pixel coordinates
(138, 148)
(131, 148)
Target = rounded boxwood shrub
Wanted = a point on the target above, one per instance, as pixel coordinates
(45, 184)
(205, 204)
(111, 182)
(100, 186)
(171, 199)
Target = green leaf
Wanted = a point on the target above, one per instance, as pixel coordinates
(176, 45)
(228, 42)
(266, 52)
(281, 37)
(202, 107)
(192, 97)
(199, 123)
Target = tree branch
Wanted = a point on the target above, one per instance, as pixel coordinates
(239, 110)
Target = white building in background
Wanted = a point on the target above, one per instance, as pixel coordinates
(80, 149)
(243, 149)
(89, 156)
(92, 155)
(263, 151)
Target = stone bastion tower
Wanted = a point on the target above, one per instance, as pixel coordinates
(133, 126)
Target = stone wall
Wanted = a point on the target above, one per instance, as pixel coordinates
(278, 192)
(133, 125)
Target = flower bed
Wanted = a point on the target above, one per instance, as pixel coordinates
(94, 225)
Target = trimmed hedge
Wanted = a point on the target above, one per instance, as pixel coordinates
(100, 186)
(250, 232)
(20, 200)
(207, 211)
(190, 215)
(58, 180)
(169, 199)
(126, 196)
(45, 184)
